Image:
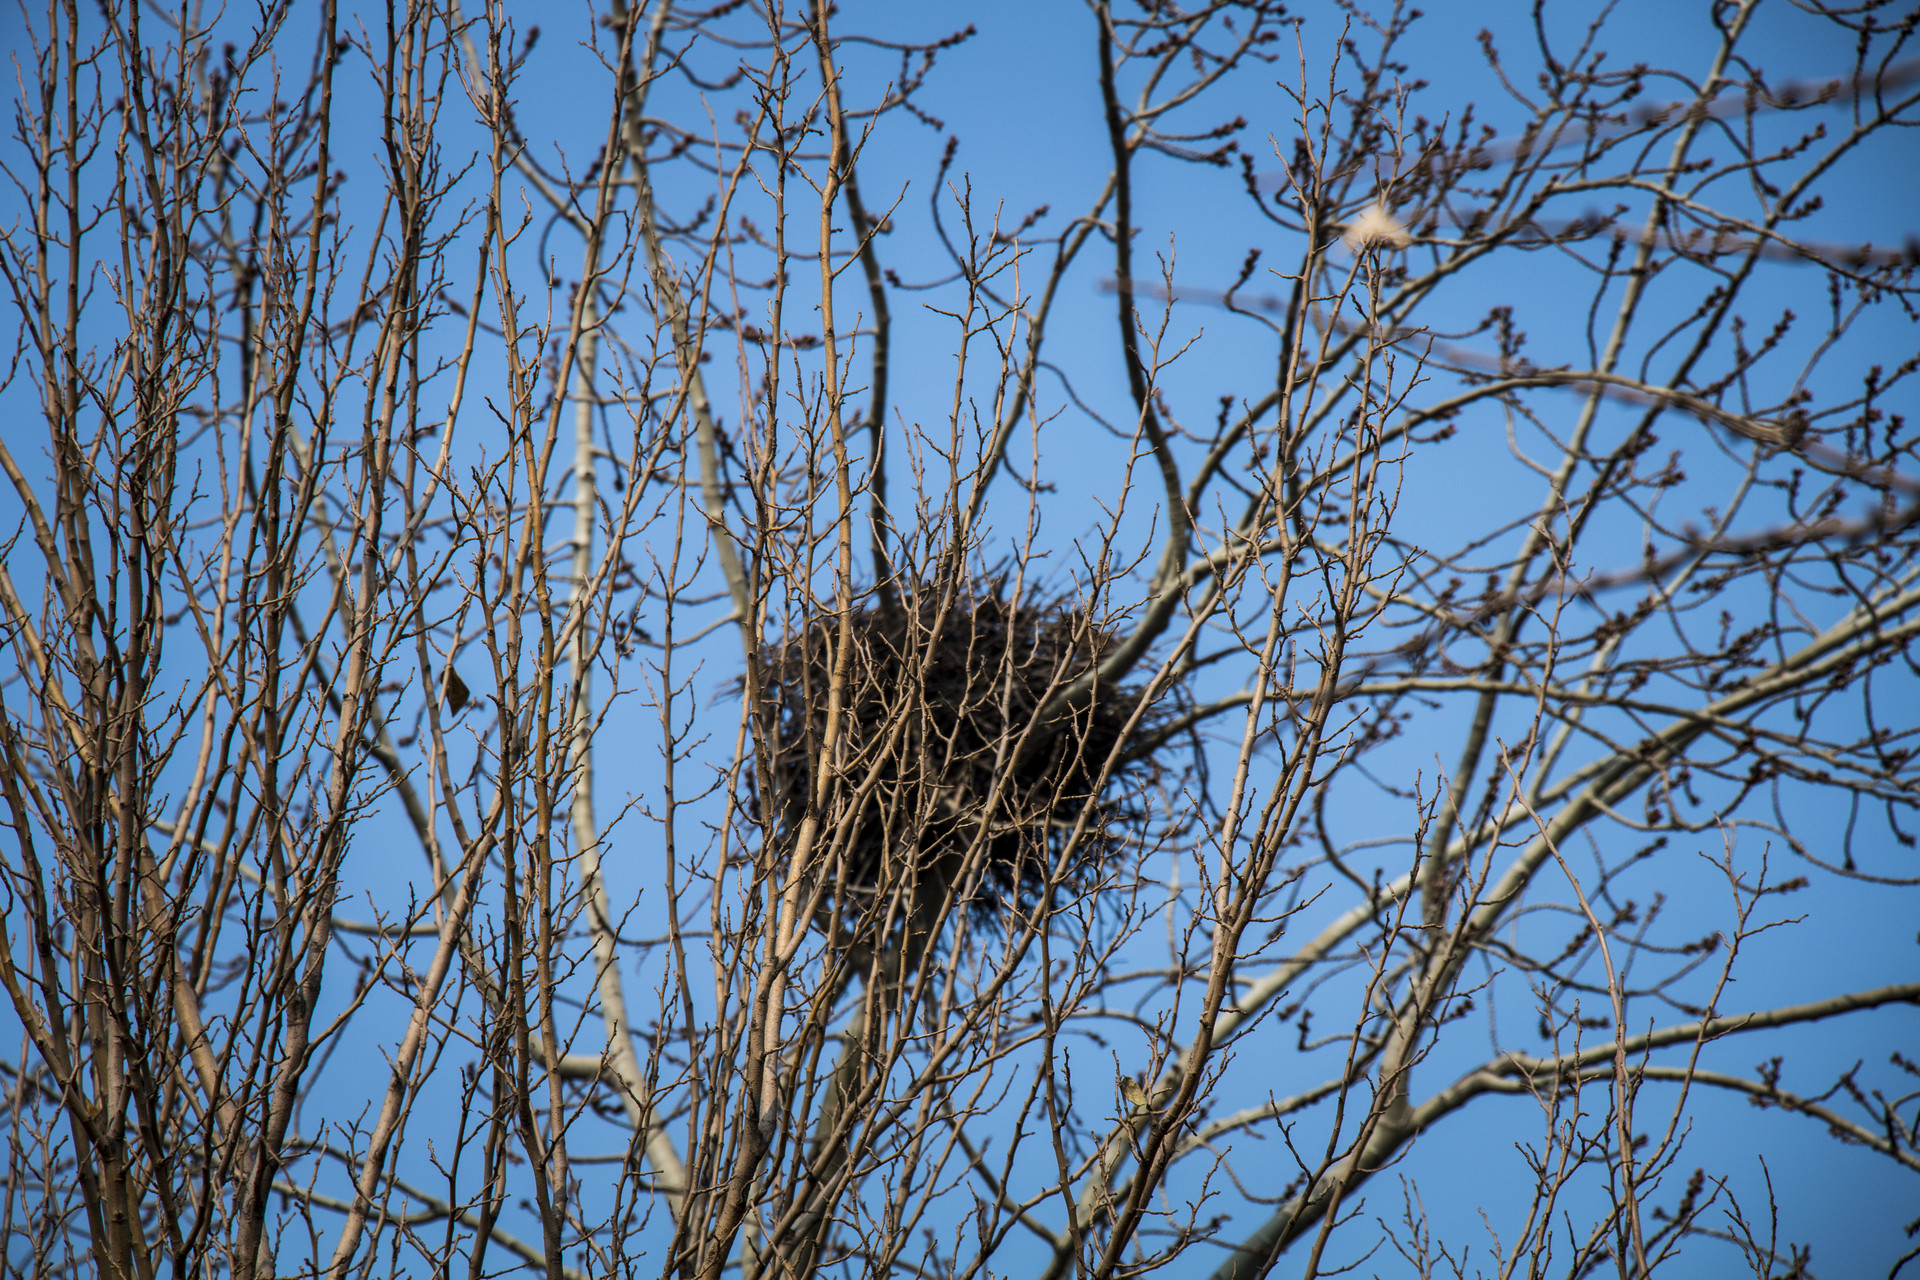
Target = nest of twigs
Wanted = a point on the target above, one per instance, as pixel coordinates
(965, 773)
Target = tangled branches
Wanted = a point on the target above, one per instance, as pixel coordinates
(966, 769)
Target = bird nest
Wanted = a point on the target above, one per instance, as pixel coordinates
(970, 766)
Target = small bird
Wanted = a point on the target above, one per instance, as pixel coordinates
(1135, 1096)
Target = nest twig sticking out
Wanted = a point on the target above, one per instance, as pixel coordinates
(960, 788)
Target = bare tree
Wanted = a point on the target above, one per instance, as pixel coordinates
(590, 693)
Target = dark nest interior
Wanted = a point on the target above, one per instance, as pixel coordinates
(953, 785)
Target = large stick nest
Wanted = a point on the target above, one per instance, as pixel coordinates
(952, 785)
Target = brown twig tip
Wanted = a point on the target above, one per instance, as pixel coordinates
(949, 781)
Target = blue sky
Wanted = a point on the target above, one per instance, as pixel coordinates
(1019, 97)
